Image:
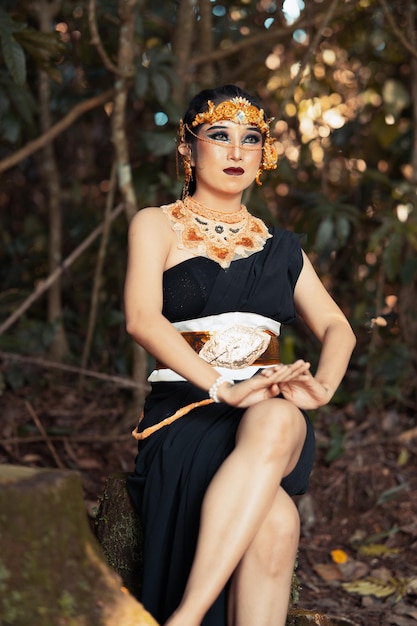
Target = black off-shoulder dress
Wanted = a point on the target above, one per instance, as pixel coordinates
(175, 464)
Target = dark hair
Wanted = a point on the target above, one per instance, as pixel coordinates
(198, 104)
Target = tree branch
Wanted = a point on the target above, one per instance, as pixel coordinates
(45, 284)
(57, 129)
(115, 380)
(96, 41)
(125, 63)
(92, 318)
(396, 29)
(263, 39)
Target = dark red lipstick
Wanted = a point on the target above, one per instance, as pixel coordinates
(234, 171)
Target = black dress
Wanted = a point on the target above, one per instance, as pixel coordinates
(175, 464)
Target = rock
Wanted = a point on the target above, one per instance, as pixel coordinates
(52, 571)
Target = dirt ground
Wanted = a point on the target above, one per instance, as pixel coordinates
(359, 517)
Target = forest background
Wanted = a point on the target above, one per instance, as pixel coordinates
(91, 93)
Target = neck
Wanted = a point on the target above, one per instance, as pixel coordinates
(224, 205)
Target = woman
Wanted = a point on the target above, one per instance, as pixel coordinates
(224, 441)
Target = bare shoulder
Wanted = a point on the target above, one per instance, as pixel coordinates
(148, 216)
(150, 223)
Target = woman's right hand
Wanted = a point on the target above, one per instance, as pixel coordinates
(264, 385)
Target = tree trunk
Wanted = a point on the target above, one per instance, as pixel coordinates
(408, 291)
(119, 532)
(125, 65)
(51, 179)
(205, 34)
(52, 572)
(182, 48)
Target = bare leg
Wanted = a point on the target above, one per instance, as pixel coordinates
(239, 498)
(261, 583)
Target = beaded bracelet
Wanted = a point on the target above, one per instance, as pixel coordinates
(215, 387)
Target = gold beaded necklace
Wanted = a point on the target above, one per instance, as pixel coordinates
(222, 237)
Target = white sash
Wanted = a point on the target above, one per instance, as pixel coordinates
(216, 323)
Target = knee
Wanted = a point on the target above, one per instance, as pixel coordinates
(271, 426)
(277, 540)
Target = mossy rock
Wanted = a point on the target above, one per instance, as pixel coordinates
(52, 570)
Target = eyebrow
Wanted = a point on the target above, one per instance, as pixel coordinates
(249, 128)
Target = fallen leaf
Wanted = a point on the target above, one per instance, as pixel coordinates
(328, 571)
(353, 570)
(378, 588)
(339, 556)
(378, 549)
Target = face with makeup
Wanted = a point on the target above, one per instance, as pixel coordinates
(226, 157)
(225, 143)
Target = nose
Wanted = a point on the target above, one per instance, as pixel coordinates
(235, 152)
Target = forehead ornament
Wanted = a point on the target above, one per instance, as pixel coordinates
(238, 110)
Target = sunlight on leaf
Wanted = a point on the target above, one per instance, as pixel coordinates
(378, 588)
(378, 549)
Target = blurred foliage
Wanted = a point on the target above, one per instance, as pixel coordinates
(344, 124)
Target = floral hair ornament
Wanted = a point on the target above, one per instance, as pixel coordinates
(240, 111)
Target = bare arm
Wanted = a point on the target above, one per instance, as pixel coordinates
(150, 241)
(329, 324)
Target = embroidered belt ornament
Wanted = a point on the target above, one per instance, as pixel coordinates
(222, 237)
(235, 347)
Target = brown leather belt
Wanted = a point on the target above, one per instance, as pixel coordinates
(197, 340)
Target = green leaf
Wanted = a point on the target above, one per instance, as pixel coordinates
(324, 234)
(41, 44)
(14, 376)
(391, 493)
(141, 82)
(14, 58)
(408, 271)
(23, 102)
(392, 255)
(159, 144)
(10, 128)
(8, 25)
(161, 87)
(377, 550)
(396, 97)
(342, 229)
(337, 443)
(4, 103)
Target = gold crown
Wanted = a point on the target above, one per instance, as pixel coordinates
(238, 110)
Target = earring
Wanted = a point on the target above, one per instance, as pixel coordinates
(188, 174)
(269, 159)
(258, 175)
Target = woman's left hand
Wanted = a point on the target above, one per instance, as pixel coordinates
(305, 392)
(298, 385)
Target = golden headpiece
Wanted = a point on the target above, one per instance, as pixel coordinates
(240, 111)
